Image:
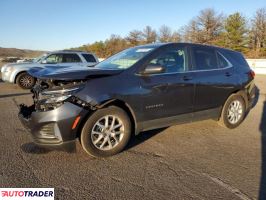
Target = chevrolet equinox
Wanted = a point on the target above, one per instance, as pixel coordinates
(141, 88)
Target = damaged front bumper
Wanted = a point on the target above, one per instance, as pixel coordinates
(53, 128)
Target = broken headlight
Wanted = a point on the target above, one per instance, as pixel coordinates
(58, 95)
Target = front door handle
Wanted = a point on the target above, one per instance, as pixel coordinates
(187, 78)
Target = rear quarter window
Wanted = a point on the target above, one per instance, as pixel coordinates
(223, 62)
(236, 58)
(89, 58)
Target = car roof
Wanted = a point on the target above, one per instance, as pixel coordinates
(70, 51)
(201, 45)
(155, 45)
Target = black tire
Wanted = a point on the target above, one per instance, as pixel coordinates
(225, 119)
(86, 133)
(25, 81)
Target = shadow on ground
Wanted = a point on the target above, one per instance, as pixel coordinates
(262, 192)
(14, 95)
(142, 137)
(33, 149)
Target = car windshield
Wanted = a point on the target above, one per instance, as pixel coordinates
(38, 59)
(125, 59)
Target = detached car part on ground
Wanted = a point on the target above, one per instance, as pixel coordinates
(17, 72)
(138, 89)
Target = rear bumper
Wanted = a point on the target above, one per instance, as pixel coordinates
(251, 94)
(52, 129)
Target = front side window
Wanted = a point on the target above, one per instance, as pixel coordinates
(205, 58)
(125, 59)
(54, 58)
(171, 60)
(71, 58)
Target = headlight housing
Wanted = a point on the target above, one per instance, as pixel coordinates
(58, 95)
(7, 69)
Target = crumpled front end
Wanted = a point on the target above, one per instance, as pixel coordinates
(56, 114)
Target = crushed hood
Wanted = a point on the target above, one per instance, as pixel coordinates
(70, 73)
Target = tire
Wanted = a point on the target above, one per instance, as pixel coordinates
(25, 81)
(231, 116)
(95, 132)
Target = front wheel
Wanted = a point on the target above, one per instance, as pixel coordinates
(25, 81)
(233, 112)
(106, 132)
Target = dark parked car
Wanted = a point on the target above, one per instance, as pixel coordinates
(141, 88)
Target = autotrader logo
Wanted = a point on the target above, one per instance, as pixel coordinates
(27, 193)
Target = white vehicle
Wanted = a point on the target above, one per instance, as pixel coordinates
(17, 72)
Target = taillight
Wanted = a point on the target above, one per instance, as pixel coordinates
(251, 73)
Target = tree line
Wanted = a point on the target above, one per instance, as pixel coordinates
(234, 31)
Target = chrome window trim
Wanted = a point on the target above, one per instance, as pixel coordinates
(191, 71)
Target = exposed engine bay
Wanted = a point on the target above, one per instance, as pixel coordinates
(54, 88)
(50, 94)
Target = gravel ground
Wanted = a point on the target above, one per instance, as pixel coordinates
(200, 160)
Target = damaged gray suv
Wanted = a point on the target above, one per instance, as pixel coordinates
(138, 89)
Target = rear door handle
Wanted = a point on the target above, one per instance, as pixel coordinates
(228, 74)
(187, 78)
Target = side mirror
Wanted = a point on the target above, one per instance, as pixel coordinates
(153, 69)
(44, 62)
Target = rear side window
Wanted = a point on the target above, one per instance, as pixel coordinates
(89, 57)
(71, 58)
(205, 58)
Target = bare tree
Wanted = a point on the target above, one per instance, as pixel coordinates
(149, 35)
(114, 44)
(191, 32)
(210, 25)
(175, 37)
(135, 37)
(258, 31)
(205, 28)
(165, 34)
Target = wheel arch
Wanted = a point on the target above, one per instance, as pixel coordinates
(17, 74)
(126, 107)
(242, 93)
(112, 102)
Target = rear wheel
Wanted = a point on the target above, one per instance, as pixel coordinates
(233, 112)
(106, 132)
(25, 81)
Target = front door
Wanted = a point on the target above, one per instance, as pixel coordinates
(169, 93)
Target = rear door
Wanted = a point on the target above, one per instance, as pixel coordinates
(214, 77)
(71, 60)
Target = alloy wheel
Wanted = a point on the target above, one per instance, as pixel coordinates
(107, 132)
(26, 81)
(235, 111)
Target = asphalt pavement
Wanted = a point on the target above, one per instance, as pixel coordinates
(200, 160)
